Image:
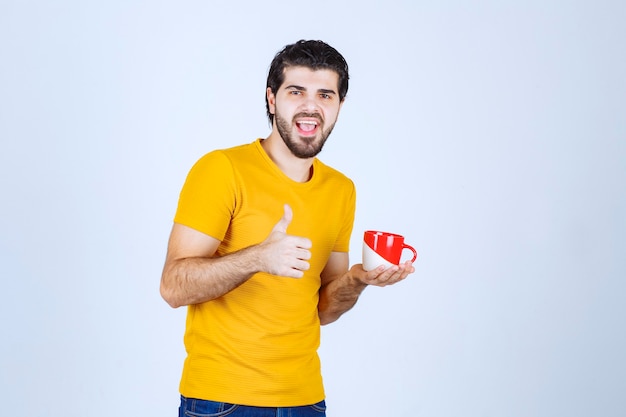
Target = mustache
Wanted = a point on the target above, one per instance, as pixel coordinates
(309, 115)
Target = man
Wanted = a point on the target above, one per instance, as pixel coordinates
(259, 251)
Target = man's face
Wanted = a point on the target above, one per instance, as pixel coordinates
(305, 109)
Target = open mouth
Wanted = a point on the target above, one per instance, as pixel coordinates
(307, 127)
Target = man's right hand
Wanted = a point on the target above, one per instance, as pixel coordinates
(283, 254)
(192, 275)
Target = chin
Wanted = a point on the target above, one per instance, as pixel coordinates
(309, 151)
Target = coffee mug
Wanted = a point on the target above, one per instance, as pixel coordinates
(383, 248)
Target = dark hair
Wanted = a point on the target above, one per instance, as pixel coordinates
(311, 54)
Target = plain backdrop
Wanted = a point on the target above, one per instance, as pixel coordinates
(492, 134)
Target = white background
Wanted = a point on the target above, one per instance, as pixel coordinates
(492, 134)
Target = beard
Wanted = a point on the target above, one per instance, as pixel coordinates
(302, 147)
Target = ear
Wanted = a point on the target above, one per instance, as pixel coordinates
(271, 100)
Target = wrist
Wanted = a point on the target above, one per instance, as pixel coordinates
(355, 281)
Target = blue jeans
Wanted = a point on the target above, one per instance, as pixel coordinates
(191, 407)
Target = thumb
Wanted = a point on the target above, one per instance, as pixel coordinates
(284, 221)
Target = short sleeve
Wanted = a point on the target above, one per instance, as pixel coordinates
(208, 197)
(349, 208)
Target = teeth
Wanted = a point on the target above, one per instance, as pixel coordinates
(307, 125)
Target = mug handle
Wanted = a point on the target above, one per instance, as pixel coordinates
(405, 246)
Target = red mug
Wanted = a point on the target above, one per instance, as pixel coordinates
(383, 248)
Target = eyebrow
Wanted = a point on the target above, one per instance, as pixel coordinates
(300, 88)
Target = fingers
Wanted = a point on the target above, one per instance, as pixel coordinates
(292, 262)
(284, 221)
(382, 277)
(286, 255)
(283, 224)
(296, 270)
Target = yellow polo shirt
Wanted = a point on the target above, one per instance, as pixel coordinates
(257, 345)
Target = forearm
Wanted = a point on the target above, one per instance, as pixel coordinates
(198, 279)
(339, 296)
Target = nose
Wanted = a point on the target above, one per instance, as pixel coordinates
(311, 105)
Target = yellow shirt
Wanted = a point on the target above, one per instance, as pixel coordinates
(257, 345)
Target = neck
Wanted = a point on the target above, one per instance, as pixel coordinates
(298, 169)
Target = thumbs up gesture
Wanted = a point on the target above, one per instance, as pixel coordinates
(285, 255)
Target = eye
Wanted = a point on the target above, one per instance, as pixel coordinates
(295, 92)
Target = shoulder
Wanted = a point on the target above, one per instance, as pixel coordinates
(332, 175)
(225, 158)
